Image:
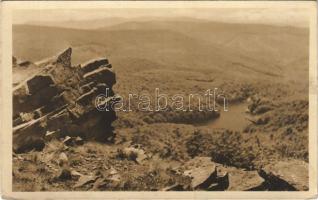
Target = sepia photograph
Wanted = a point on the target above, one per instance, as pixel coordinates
(166, 98)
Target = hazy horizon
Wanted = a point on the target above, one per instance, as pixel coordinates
(268, 16)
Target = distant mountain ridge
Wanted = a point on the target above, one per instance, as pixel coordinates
(114, 21)
(179, 44)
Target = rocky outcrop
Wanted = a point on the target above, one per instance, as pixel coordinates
(62, 98)
(204, 174)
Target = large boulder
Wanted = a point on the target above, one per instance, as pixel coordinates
(288, 175)
(202, 172)
(242, 180)
(205, 174)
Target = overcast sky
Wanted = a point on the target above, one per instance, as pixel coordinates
(275, 16)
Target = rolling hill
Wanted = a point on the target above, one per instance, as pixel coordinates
(233, 49)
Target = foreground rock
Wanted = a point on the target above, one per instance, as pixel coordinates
(241, 180)
(135, 153)
(286, 175)
(61, 98)
(206, 175)
(84, 180)
(202, 172)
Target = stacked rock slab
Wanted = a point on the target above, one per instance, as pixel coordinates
(62, 98)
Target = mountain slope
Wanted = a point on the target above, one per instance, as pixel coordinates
(250, 51)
